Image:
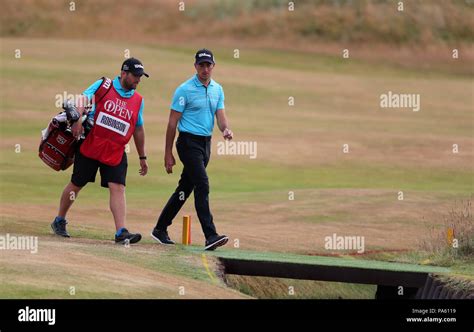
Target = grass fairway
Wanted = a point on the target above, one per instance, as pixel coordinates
(300, 155)
(326, 261)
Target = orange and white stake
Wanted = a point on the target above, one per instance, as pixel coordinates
(186, 230)
(450, 236)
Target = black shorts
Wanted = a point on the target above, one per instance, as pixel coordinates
(85, 170)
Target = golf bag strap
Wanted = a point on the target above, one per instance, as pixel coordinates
(103, 89)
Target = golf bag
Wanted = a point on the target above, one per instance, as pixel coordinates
(58, 145)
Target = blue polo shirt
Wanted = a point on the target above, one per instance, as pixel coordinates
(198, 105)
(90, 91)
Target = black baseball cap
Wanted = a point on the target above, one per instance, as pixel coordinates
(134, 66)
(204, 55)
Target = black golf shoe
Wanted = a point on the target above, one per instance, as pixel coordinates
(161, 237)
(59, 228)
(216, 241)
(127, 237)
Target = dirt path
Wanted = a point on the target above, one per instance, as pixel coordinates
(100, 269)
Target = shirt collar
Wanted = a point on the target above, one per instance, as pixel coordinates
(120, 90)
(197, 82)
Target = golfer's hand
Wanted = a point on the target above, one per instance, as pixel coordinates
(143, 167)
(77, 129)
(169, 163)
(228, 134)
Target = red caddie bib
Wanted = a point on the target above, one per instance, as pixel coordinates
(114, 123)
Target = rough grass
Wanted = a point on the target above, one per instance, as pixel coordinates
(454, 239)
(279, 288)
(348, 21)
(431, 29)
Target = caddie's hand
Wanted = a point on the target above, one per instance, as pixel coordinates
(228, 134)
(77, 129)
(169, 163)
(143, 167)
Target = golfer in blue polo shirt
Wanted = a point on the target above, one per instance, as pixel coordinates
(195, 104)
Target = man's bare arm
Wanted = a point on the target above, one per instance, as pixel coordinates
(170, 135)
(139, 139)
(77, 128)
(223, 125)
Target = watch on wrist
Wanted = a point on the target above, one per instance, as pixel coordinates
(142, 157)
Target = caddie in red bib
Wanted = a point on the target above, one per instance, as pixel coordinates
(115, 116)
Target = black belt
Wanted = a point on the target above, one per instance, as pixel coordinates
(198, 137)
